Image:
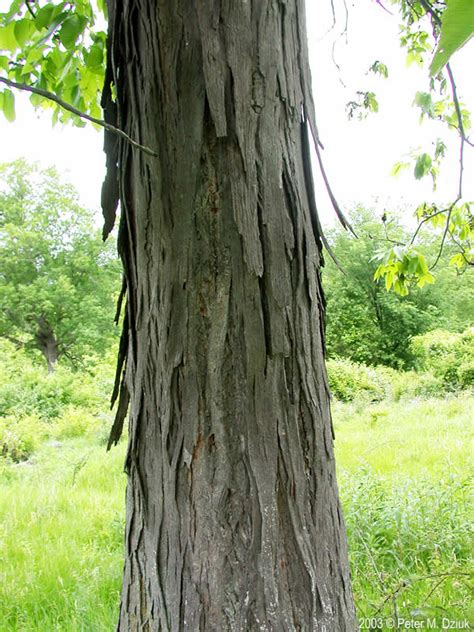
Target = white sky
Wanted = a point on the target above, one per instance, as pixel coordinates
(358, 155)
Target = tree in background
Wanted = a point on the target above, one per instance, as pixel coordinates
(370, 325)
(57, 279)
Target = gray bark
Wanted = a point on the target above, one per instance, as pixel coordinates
(46, 342)
(233, 518)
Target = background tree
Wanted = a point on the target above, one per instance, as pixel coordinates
(370, 325)
(57, 279)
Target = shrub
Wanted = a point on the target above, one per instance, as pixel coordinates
(20, 436)
(349, 380)
(408, 385)
(73, 423)
(27, 389)
(35, 405)
(449, 356)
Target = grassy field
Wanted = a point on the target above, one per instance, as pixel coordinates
(405, 476)
(404, 473)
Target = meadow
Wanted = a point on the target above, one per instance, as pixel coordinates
(404, 475)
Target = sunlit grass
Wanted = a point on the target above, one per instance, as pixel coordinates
(61, 540)
(428, 438)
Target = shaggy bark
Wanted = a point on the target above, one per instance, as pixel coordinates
(233, 518)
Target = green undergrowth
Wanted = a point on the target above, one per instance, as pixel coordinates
(410, 545)
(61, 533)
(404, 481)
(405, 477)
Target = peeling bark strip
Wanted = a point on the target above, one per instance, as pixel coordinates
(233, 518)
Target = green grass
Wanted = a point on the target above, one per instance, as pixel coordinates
(404, 479)
(61, 540)
(425, 439)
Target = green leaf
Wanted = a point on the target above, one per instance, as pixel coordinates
(7, 37)
(95, 57)
(422, 264)
(424, 101)
(424, 279)
(457, 28)
(370, 102)
(398, 167)
(71, 28)
(8, 105)
(378, 68)
(22, 30)
(4, 62)
(457, 260)
(440, 149)
(43, 17)
(422, 166)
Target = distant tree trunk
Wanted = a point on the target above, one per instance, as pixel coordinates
(233, 518)
(46, 342)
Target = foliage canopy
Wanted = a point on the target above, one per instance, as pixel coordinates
(56, 274)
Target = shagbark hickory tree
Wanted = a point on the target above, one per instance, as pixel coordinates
(233, 518)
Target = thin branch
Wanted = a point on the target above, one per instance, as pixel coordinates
(423, 221)
(469, 262)
(457, 107)
(70, 108)
(336, 41)
(30, 10)
(383, 6)
(443, 239)
(461, 168)
(429, 9)
(435, 587)
(436, 17)
(459, 196)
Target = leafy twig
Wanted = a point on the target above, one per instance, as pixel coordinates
(70, 108)
(425, 219)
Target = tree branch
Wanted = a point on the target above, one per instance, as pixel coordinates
(436, 17)
(425, 219)
(30, 10)
(443, 239)
(70, 108)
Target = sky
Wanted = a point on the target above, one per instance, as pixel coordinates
(358, 155)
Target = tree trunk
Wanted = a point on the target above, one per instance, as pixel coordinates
(233, 518)
(47, 343)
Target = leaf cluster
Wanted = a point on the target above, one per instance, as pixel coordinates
(370, 325)
(54, 46)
